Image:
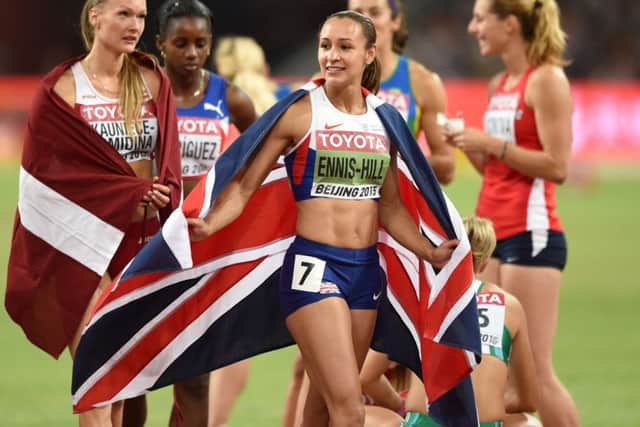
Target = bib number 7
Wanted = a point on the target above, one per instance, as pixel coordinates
(307, 273)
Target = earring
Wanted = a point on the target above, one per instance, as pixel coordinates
(164, 55)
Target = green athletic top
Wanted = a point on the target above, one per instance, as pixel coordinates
(417, 419)
(488, 347)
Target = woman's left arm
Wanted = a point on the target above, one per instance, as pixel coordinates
(396, 219)
(549, 95)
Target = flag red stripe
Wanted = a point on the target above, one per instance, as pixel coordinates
(416, 205)
(449, 362)
(400, 283)
(457, 285)
(126, 369)
(277, 220)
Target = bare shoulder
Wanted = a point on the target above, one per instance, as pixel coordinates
(425, 83)
(296, 121)
(235, 95)
(65, 87)
(152, 78)
(515, 313)
(547, 80)
(548, 74)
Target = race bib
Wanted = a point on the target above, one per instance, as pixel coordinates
(200, 141)
(491, 313)
(500, 118)
(307, 273)
(349, 165)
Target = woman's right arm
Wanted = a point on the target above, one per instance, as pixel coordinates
(233, 199)
(524, 397)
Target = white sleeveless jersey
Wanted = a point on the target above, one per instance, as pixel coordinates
(103, 114)
(343, 156)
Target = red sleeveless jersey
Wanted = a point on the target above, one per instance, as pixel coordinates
(514, 202)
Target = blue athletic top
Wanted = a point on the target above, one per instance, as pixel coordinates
(203, 129)
(396, 90)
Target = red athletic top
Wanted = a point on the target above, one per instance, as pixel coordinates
(514, 202)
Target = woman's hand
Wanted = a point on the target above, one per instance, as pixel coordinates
(159, 196)
(442, 254)
(469, 140)
(200, 229)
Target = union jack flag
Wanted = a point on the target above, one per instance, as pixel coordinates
(184, 308)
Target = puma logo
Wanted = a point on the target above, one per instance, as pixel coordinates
(217, 108)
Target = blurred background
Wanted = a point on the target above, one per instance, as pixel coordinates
(597, 345)
(604, 37)
(604, 47)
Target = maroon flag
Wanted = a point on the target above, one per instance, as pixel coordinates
(77, 196)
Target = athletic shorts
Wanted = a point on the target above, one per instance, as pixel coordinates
(314, 271)
(539, 248)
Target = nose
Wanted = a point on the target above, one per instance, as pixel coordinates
(190, 51)
(138, 25)
(471, 28)
(333, 54)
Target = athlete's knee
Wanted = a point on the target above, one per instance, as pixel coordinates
(348, 413)
(346, 406)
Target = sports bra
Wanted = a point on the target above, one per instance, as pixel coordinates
(342, 156)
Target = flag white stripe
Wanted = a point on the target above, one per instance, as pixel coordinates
(148, 376)
(455, 311)
(251, 254)
(135, 339)
(65, 225)
(254, 279)
(175, 233)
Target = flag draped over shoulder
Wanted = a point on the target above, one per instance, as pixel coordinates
(184, 308)
(76, 199)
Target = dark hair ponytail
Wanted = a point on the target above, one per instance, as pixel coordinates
(371, 76)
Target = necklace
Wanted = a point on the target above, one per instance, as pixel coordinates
(198, 92)
(95, 79)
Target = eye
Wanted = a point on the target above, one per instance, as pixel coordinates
(124, 13)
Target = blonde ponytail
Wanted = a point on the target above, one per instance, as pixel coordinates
(549, 42)
(241, 60)
(482, 239)
(132, 92)
(540, 23)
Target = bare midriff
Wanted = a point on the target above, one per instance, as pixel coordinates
(351, 224)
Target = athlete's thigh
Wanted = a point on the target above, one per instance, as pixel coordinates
(362, 325)
(538, 290)
(322, 331)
